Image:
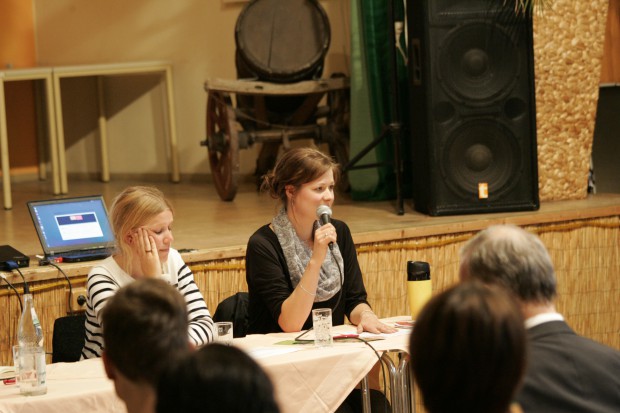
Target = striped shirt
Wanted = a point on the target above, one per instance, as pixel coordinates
(107, 277)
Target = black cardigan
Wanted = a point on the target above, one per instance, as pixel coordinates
(269, 281)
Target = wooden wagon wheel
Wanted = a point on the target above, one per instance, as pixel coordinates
(223, 144)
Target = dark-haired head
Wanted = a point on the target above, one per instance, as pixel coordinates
(145, 329)
(216, 378)
(296, 167)
(468, 350)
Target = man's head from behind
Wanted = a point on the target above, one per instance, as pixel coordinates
(513, 258)
(144, 330)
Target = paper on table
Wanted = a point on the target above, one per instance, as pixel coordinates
(399, 332)
(264, 352)
(7, 372)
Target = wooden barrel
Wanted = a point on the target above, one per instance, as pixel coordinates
(282, 41)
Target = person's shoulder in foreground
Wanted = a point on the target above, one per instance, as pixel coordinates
(569, 373)
(566, 372)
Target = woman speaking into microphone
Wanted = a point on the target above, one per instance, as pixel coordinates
(301, 261)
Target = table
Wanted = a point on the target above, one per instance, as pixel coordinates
(319, 379)
(114, 69)
(71, 388)
(43, 74)
(305, 378)
(51, 77)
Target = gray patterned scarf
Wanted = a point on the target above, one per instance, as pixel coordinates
(297, 254)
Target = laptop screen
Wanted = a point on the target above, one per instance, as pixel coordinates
(72, 224)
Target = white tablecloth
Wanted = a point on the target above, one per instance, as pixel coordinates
(313, 379)
(306, 379)
(80, 387)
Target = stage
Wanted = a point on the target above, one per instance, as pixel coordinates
(583, 238)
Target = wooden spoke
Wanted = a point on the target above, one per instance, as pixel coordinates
(223, 144)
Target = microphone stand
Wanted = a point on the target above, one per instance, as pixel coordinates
(394, 128)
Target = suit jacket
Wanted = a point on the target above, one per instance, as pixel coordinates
(569, 373)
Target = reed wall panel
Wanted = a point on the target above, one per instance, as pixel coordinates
(585, 252)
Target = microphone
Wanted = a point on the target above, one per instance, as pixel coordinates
(324, 213)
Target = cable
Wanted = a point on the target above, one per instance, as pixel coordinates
(302, 340)
(13, 266)
(53, 264)
(21, 305)
(380, 363)
(341, 282)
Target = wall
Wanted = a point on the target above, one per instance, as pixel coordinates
(17, 49)
(568, 53)
(17, 44)
(197, 36)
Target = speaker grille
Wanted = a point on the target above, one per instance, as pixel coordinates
(481, 152)
(473, 110)
(478, 63)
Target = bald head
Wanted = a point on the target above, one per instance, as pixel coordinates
(512, 257)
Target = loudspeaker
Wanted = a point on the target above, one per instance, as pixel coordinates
(473, 115)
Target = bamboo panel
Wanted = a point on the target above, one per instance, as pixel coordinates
(50, 303)
(220, 279)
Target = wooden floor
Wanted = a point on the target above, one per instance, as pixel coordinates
(202, 221)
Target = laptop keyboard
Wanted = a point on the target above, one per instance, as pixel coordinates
(76, 256)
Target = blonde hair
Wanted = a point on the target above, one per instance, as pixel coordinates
(131, 209)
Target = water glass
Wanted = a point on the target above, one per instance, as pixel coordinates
(322, 326)
(32, 374)
(224, 330)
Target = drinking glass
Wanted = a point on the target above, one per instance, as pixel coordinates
(32, 372)
(322, 326)
(224, 331)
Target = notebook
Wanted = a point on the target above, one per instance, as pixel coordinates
(73, 229)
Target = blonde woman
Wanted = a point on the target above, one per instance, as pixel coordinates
(142, 219)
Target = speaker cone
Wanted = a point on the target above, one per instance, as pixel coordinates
(481, 152)
(478, 63)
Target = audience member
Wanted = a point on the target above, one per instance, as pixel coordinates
(145, 333)
(142, 223)
(468, 350)
(566, 372)
(216, 378)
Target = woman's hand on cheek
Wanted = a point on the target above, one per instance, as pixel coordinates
(146, 249)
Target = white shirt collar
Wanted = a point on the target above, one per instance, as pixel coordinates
(542, 318)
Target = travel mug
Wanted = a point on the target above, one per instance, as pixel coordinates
(419, 286)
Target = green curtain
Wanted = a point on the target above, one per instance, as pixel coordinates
(370, 99)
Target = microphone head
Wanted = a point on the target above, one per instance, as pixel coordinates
(323, 210)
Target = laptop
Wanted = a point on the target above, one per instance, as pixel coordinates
(73, 229)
